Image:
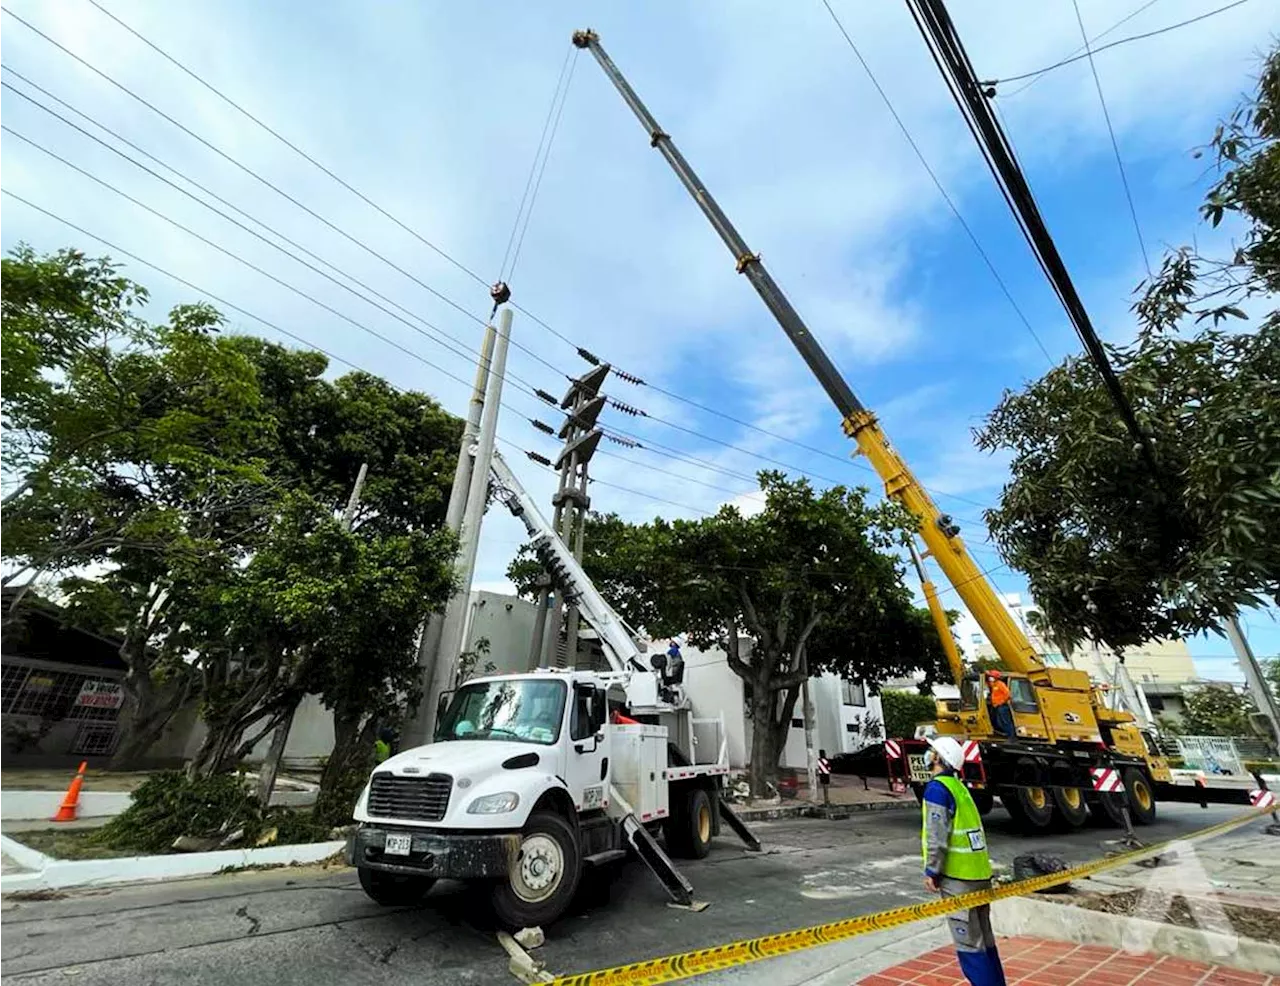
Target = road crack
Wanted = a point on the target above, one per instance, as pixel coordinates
(254, 923)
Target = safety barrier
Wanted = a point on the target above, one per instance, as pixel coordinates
(672, 968)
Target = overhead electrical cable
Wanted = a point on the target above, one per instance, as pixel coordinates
(1115, 145)
(946, 197)
(1085, 52)
(226, 303)
(386, 214)
(957, 70)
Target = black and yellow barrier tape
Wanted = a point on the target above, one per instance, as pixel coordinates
(671, 968)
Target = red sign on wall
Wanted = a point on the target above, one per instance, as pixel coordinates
(100, 695)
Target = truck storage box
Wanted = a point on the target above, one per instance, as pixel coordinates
(639, 759)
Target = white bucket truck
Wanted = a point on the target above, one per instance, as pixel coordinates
(533, 777)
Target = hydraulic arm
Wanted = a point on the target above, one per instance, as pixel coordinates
(619, 648)
(940, 534)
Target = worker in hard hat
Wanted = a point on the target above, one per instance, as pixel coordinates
(954, 846)
(1001, 704)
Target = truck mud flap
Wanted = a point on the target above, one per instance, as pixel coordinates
(680, 889)
(739, 827)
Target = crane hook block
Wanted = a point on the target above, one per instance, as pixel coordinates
(500, 293)
(583, 39)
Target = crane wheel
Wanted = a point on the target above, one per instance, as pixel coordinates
(983, 799)
(1106, 809)
(1070, 807)
(1142, 798)
(1031, 808)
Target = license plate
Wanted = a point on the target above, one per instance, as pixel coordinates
(398, 845)
(919, 772)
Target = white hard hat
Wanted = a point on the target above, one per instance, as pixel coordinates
(948, 750)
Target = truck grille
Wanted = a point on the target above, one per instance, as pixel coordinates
(423, 799)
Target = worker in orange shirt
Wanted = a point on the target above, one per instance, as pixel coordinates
(1001, 707)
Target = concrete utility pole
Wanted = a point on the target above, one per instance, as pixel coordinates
(582, 403)
(279, 739)
(417, 731)
(1254, 680)
(455, 614)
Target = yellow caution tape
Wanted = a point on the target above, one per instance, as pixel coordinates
(670, 968)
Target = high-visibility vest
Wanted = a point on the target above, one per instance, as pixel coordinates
(381, 750)
(966, 857)
(999, 693)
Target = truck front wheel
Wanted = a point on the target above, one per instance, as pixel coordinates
(392, 889)
(544, 875)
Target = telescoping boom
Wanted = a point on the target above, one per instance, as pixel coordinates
(939, 533)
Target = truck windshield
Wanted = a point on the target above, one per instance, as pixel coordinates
(520, 710)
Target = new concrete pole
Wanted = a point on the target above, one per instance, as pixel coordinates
(417, 731)
(455, 615)
(1253, 676)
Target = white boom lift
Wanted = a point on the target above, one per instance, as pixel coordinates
(532, 777)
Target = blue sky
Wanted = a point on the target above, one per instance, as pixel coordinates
(434, 111)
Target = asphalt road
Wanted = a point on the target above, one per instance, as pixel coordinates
(311, 926)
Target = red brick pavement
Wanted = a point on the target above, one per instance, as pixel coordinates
(1042, 962)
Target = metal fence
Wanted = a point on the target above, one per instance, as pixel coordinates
(1212, 754)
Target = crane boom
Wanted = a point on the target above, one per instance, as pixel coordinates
(939, 533)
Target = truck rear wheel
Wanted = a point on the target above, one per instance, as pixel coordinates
(1142, 799)
(688, 830)
(544, 875)
(1031, 808)
(983, 799)
(392, 889)
(1070, 806)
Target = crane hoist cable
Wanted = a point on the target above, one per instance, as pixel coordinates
(971, 96)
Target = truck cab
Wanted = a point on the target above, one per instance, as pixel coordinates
(530, 778)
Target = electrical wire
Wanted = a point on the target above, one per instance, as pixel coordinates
(1085, 52)
(542, 170)
(289, 144)
(226, 303)
(381, 211)
(948, 52)
(1115, 145)
(533, 166)
(955, 210)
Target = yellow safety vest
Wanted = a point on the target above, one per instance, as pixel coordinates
(966, 857)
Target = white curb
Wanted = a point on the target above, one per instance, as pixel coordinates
(58, 874)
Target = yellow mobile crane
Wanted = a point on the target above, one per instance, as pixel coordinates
(1071, 753)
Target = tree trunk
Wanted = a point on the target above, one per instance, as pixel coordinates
(147, 712)
(763, 768)
(347, 768)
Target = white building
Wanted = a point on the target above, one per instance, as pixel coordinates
(1160, 661)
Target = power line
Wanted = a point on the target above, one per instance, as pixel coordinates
(986, 259)
(533, 166)
(116, 248)
(460, 266)
(284, 140)
(1085, 52)
(1115, 146)
(542, 170)
(948, 52)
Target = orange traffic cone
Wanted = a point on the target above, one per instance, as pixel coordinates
(67, 813)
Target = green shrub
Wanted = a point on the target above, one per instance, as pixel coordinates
(168, 805)
(903, 711)
(293, 827)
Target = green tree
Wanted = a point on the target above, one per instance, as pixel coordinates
(1217, 710)
(1111, 552)
(805, 585)
(903, 711)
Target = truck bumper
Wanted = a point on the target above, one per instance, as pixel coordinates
(443, 855)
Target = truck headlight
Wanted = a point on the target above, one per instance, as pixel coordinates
(494, 804)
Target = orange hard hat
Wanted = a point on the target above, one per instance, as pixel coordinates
(993, 674)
